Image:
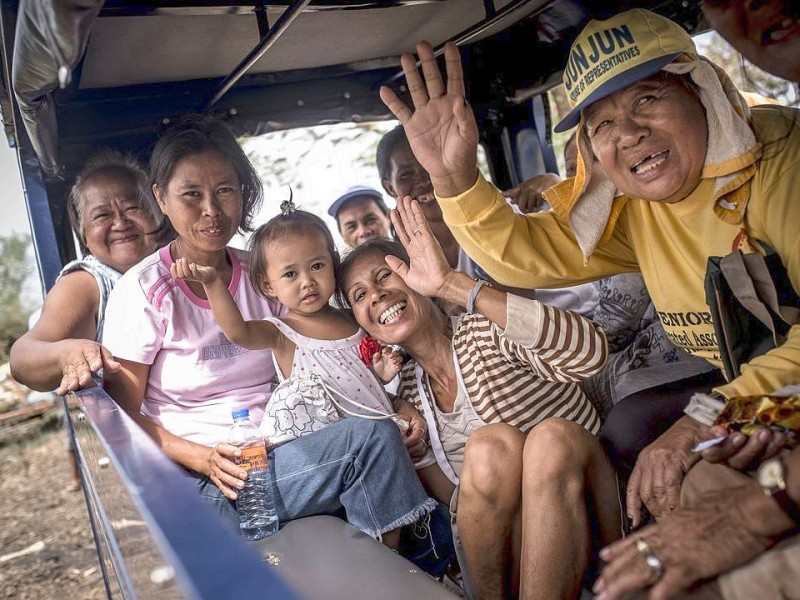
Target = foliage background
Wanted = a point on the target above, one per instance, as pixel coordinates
(15, 303)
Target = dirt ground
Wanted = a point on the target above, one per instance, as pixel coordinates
(46, 545)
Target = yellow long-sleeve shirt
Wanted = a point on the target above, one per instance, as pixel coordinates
(669, 243)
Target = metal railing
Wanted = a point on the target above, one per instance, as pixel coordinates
(156, 537)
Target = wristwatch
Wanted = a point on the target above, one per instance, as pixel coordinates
(772, 479)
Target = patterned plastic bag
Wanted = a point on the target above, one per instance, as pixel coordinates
(304, 404)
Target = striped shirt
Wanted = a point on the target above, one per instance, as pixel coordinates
(526, 373)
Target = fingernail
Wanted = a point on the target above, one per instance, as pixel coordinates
(763, 435)
(604, 553)
(737, 439)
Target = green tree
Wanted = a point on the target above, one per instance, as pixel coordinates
(14, 271)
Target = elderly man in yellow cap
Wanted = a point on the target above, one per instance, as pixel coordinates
(669, 158)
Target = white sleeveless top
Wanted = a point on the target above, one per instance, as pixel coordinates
(338, 363)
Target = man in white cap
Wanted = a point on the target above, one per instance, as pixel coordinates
(669, 157)
(361, 214)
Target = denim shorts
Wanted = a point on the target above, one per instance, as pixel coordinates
(429, 543)
(357, 465)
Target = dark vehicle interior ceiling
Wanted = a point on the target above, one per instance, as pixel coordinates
(88, 73)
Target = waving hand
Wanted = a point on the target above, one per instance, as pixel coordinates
(441, 128)
(428, 269)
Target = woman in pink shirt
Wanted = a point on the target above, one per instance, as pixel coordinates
(180, 377)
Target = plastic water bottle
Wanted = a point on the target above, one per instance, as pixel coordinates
(256, 506)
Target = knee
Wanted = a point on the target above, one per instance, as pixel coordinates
(492, 461)
(383, 427)
(368, 427)
(379, 433)
(556, 448)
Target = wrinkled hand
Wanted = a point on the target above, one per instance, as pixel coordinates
(223, 470)
(742, 452)
(693, 544)
(84, 358)
(660, 469)
(387, 364)
(528, 194)
(428, 269)
(183, 269)
(416, 438)
(441, 129)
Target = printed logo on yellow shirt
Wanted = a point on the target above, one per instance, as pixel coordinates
(684, 329)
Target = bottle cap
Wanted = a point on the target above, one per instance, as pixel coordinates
(240, 413)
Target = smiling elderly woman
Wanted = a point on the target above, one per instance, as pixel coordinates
(116, 221)
(484, 380)
(680, 157)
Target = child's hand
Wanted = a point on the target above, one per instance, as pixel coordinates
(387, 364)
(183, 269)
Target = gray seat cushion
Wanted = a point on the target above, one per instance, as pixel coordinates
(325, 557)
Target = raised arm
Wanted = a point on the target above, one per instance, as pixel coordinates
(443, 135)
(59, 352)
(441, 128)
(428, 271)
(559, 345)
(253, 335)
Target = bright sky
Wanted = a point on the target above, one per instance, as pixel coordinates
(319, 164)
(15, 217)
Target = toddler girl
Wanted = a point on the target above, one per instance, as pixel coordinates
(293, 258)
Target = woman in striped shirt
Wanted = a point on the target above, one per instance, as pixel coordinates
(507, 421)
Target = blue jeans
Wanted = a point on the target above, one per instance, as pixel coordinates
(356, 465)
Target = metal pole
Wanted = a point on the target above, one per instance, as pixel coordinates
(266, 42)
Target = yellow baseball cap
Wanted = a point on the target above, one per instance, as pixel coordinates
(608, 56)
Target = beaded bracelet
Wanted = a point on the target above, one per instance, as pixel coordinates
(473, 294)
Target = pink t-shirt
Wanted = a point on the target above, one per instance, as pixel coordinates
(197, 376)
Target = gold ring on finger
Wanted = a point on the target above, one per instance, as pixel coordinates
(642, 546)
